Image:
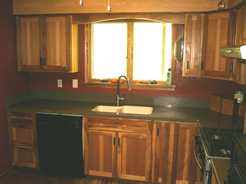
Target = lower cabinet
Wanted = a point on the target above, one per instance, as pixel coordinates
(118, 152)
(24, 156)
(23, 139)
(152, 151)
(173, 158)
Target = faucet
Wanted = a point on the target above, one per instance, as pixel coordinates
(118, 98)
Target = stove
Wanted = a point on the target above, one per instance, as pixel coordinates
(213, 143)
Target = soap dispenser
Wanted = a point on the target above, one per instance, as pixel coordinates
(169, 76)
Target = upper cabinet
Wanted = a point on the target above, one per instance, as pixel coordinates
(47, 44)
(239, 69)
(193, 45)
(218, 30)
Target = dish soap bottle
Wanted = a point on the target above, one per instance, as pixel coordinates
(169, 76)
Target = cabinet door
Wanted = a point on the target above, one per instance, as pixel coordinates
(173, 156)
(24, 156)
(163, 153)
(133, 156)
(100, 153)
(239, 69)
(23, 134)
(185, 168)
(28, 43)
(241, 27)
(217, 34)
(193, 45)
(57, 42)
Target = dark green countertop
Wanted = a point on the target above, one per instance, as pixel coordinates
(176, 114)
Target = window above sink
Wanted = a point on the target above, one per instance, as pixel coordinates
(139, 49)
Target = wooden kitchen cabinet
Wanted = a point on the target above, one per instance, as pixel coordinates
(23, 139)
(239, 67)
(117, 148)
(193, 35)
(218, 30)
(47, 44)
(172, 152)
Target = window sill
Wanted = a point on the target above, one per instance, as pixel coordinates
(162, 87)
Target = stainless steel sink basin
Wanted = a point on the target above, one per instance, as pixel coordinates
(124, 109)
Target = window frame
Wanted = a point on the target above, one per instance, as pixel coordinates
(161, 85)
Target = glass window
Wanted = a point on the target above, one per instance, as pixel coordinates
(141, 50)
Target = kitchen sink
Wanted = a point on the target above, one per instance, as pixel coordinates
(124, 109)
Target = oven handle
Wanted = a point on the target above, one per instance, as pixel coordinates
(199, 165)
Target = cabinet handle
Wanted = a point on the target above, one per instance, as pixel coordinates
(158, 131)
(20, 115)
(118, 141)
(41, 63)
(21, 126)
(44, 62)
(231, 68)
(114, 141)
(202, 64)
(187, 65)
(22, 148)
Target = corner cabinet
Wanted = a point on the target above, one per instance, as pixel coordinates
(118, 148)
(193, 35)
(23, 139)
(218, 30)
(47, 44)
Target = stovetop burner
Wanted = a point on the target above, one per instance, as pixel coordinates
(218, 141)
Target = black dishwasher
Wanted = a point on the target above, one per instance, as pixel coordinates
(60, 144)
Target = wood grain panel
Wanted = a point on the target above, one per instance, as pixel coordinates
(28, 43)
(23, 134)
(185, 168)
(101, 157)
(133, 156)
(56, 41)
(24, 156)
(218, 35)
(98, 6)
(118, 124)
(173, 156)
(193, 45)
(164, 17)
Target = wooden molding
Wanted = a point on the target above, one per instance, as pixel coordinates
(25, 7)
(175, 18)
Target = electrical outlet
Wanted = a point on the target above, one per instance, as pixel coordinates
(59, 83)
(75, 83)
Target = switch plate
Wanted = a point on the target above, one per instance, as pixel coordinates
(59, 83)
(75, 83)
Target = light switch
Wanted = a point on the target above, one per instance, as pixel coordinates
(75, 83)
(59, 83)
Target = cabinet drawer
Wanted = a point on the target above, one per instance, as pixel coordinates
(24, 156)
(117, 124)
(21, 133)
(22, 117)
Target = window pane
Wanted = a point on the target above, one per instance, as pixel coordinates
(109, 50)
(150, 52)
